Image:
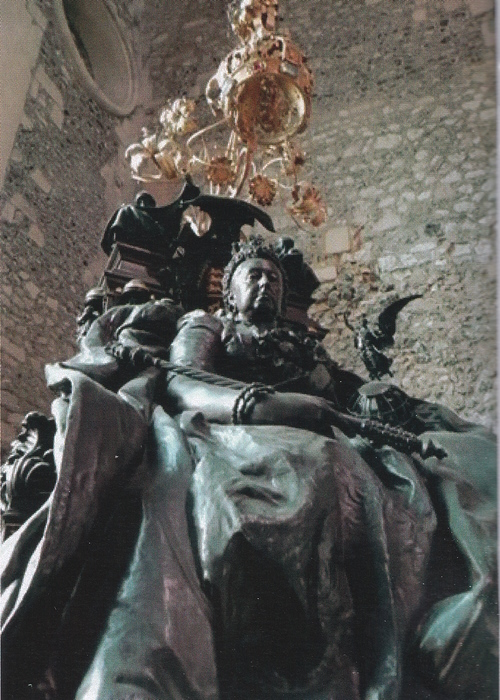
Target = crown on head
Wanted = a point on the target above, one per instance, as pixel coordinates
(254, 247)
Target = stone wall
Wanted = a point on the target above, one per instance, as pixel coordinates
(425, 196)
(402, 144)
(63, 178)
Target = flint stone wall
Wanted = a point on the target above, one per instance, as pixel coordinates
(426, 199)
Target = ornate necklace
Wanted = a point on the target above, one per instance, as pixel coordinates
(280, 352)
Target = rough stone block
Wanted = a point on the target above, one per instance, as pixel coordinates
(351, 151)
(195, 23)
(41, 180)
(327, 158)
(26, 121)
(57, 115)
(408, 260)
(440, 113)
(16, 155)
(489, 185)
(387, 263)
(326, 274)
(49, 87)
(21, 204)
(443, 192)
(414, 134)
(388, 221)
(471, 105)
(337, 240)
(13, 350)
(371, 192)
(36, 235)
(453, 176)
(461, 249)
(387, 142)
(387, 202)
(423, 256)
(32, 289)
(409, 196)
(463, 207)
(424, 247)
(488, 114)
(33, 91)
(420, 14)
(425, 101)
(8, 212)
(473, 174)
(479, 7)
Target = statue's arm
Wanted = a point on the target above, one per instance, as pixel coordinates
(220, 404)
(186, 394)
(198, 341)
(199, 344)
(150, 326)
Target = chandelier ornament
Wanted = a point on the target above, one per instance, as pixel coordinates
(262, 94)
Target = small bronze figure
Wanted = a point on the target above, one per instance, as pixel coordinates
(94, 307)
(29, 473)
(371, 340)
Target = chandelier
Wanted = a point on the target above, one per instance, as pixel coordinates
(260, 101)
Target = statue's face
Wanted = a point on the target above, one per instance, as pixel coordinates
(257, 290)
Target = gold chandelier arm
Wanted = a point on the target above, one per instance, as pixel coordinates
(205, 130)
(150, 178)
(247, 154)
(271, 162)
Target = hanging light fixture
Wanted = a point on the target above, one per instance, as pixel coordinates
(262, 94)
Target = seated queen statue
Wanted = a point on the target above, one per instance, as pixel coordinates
(222, 528)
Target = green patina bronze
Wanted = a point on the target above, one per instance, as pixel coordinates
(240, 538)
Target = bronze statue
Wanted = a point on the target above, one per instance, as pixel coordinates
(217, 532)
(94, 306)
(371, 340)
